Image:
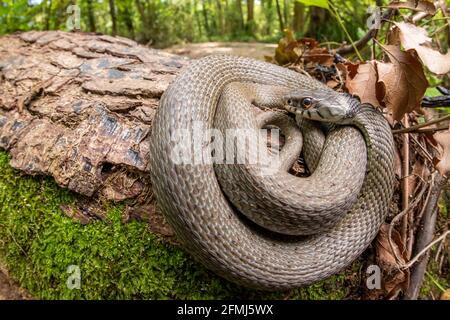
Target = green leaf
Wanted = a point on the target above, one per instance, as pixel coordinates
(317, 3)
(432, 92)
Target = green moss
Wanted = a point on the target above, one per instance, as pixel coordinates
(117, 261)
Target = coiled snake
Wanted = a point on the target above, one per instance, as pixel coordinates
(303, 229)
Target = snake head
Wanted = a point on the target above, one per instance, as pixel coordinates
(321, 105)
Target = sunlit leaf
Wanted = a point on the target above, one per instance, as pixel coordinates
(317, 3)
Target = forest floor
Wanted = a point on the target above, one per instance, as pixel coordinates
(9, 290)
(246, 49)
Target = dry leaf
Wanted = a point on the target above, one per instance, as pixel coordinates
(445, 295)
(394, 279)
(423, 6)
(363, 83)
(401, 82)
(443, 140)
(416, 38)
(319, 55)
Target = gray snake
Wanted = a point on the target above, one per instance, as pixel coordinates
(336, 217)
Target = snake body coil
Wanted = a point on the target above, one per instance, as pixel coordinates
(203, 218)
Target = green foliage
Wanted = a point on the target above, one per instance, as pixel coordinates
(317, 3)
(117, 261)
(165, 22)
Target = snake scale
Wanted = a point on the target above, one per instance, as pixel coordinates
(338, 210)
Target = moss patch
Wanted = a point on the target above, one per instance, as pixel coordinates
(117, 261)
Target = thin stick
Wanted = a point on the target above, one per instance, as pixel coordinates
(424, 250)
(418, 126)
(424, 236)
(342, 25)
(397, 218)
(405, 184)
(428, 130)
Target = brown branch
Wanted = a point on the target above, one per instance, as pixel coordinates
(424, 237)
(428, 130)
(421, 125)
(361, 43)
(405, 185)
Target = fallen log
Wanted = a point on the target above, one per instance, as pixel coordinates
(79, 107)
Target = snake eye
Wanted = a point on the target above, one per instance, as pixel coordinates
(289, 102)
(307, 102)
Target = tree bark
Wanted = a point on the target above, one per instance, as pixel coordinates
(83, 110)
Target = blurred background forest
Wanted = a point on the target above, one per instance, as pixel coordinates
(161, 23)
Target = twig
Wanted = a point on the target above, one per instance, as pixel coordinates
(398, 217)
(405, 184)
(424, 250)
(424, 236)
(427, 130)
(342, 25)
(421, 125)
(361, 43)
(423, 151)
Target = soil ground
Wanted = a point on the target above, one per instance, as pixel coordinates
(246, 49)
(9, 290)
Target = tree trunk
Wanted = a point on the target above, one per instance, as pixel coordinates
(205, 18)
(267, 6)
(220, 17)
(298, 20)
(197, 19)
(280, 16)
(240, 13)
(90, 14)
(250, 15)
(112, 11)
(317, 17)
(145, 24)
(285, 12)
(128, 19)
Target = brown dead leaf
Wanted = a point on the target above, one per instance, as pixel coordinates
(319, 55)
(419, 172)
(416, 38)
(332, 83)
(401, 82)
(443, 140)
(363, 83)
(394, 279)
(422, 6)
(445, 295)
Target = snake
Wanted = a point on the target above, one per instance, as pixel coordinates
(273, 231)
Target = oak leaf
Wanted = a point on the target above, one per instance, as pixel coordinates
(401, 82)
(394, 279)
(422, 6)
(363, 83)
(443, 140)
(416, 38)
